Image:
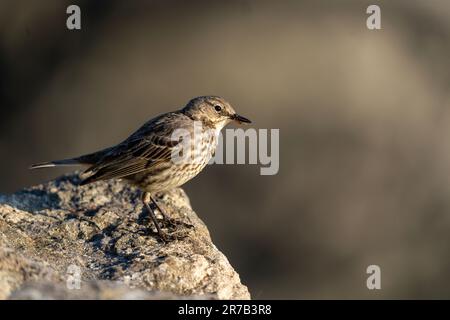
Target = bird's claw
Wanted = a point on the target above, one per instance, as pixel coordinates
(173, 223)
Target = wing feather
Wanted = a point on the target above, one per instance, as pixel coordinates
(134, 155)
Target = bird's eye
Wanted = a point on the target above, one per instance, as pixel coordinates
(218, 108)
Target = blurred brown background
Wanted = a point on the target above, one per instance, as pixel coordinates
(363, 117)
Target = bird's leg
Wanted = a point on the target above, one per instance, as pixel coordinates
(146, 198)
(168, 219)
(163, 213)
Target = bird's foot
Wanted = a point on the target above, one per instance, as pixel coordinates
(171, 223)
(170, 230)
(166, 237)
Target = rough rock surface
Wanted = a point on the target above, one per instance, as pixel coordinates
(58, 236)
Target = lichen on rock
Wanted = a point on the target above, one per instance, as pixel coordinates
(98, 230)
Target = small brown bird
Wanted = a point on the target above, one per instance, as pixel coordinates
(150, 157)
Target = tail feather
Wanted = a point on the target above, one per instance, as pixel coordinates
(57, 163)
(87, 159)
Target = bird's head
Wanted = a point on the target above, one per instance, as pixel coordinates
(212, 111)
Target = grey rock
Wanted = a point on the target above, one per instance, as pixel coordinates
(58, 237)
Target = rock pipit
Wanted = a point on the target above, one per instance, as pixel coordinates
(164, 153)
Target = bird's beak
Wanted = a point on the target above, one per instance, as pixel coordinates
(240, 119)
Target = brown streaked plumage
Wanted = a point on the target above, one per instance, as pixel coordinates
(146, 158)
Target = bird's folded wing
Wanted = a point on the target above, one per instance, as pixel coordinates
(132, 157)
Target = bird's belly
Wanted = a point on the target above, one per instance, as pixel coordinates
(167, 179)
